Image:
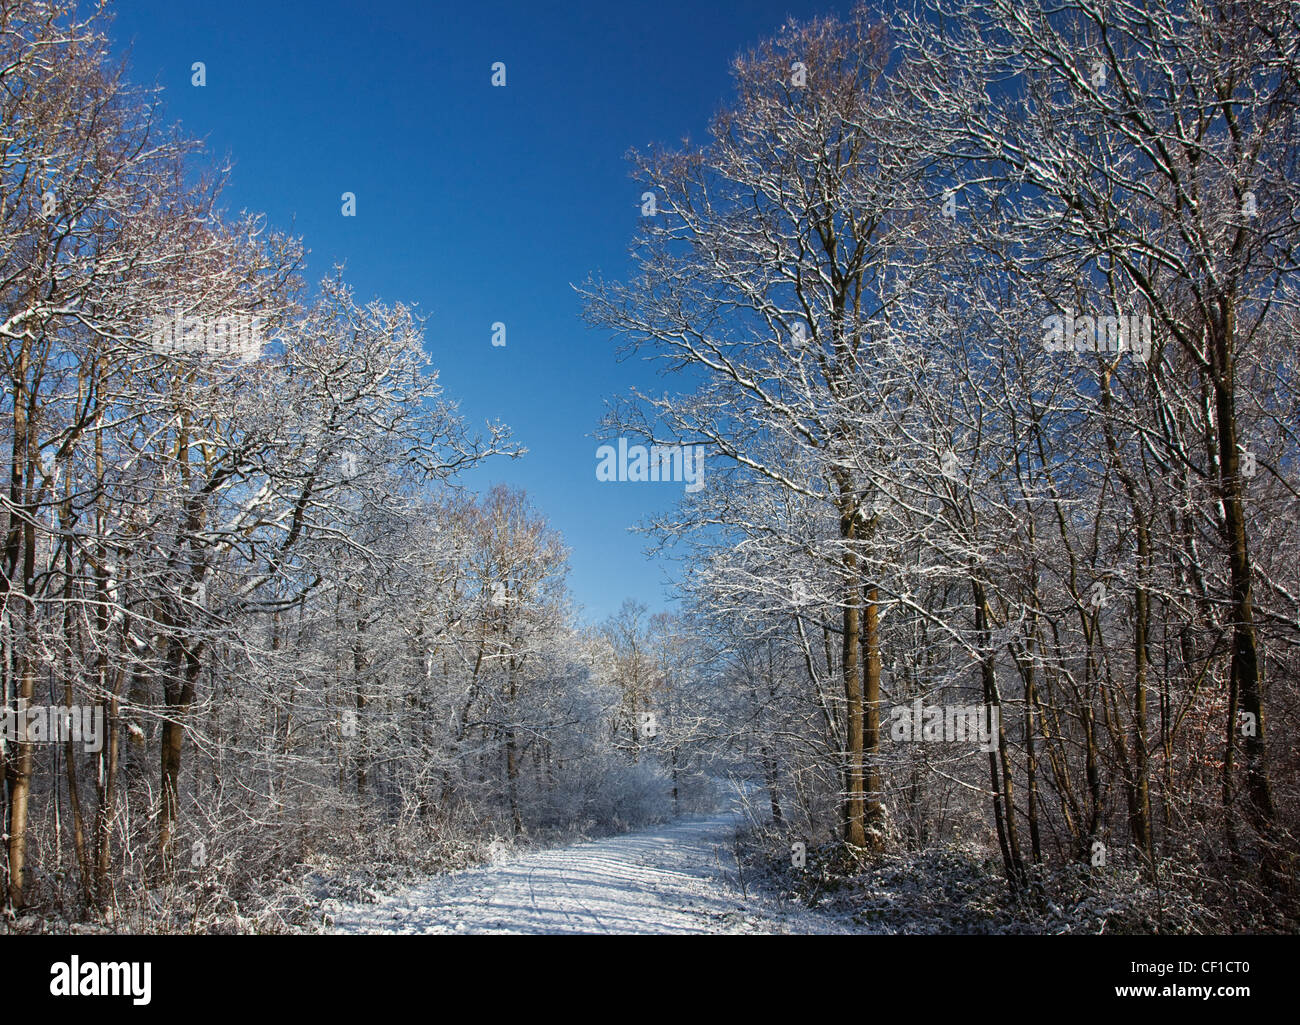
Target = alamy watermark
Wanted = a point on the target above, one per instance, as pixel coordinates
(1084, 333)
(945, 724)
(681, 463)
(238, 336)
(72, 978)
(54, 724)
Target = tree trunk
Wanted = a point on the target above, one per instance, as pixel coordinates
(854, 802)
(1245, 669)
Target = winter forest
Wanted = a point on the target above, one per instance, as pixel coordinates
(972, 329)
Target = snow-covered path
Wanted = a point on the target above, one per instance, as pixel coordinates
(678, 878)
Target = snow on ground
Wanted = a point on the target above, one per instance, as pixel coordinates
(678, 878)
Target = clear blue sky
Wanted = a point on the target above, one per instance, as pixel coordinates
(476, 204)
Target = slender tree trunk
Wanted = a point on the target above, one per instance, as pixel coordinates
(1245, 668)
(19, 557)
(179, 686)
(769, 774)
(1004, 808)
(875, 804)
(854, 800)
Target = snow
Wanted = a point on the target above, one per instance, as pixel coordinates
(673, 879)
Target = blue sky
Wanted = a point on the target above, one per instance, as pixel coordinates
(476, 204)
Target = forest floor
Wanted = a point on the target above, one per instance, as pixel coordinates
(676, 878)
